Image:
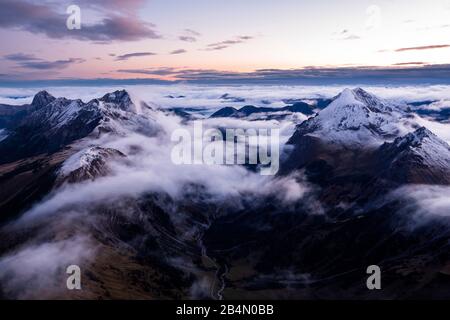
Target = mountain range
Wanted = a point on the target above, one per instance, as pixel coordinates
(273, 113)
(353, 154)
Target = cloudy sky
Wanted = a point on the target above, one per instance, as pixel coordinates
(203, 39)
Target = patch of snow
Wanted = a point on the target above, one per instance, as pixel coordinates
(3, 134)
(121, 122)
(67, 113)
(81, 159)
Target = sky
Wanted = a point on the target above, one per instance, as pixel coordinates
(203, 40)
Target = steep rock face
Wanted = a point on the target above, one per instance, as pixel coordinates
(27, 181)
(88, 164)
(11, 116)
(418, 157)
(119, 99)
(41, 99)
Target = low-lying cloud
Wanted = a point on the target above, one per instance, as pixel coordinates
(423, 204)
(37, 269)
(142, 173)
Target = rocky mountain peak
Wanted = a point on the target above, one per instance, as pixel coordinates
(354, 118)
(359, 97)
(416, 138)
(120, 99)
(41, 99)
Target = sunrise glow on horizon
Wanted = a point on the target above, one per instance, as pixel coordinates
(163, 39)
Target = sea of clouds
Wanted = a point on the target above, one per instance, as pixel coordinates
(151, 170)
(209, 96)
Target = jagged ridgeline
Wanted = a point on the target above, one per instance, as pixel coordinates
(50, 123)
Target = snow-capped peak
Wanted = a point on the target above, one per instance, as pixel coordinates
(371, 101)
(356, 118)
(347, 97)
(358, 97)
(120, 115)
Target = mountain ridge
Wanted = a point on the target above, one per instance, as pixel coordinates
(56, 122)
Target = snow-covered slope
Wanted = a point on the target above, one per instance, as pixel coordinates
(61, 113)
(356, 118)
(87, 164)
(114, 112)
(419, 156)
(426, 145)
(3, 134)
(120, 115)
